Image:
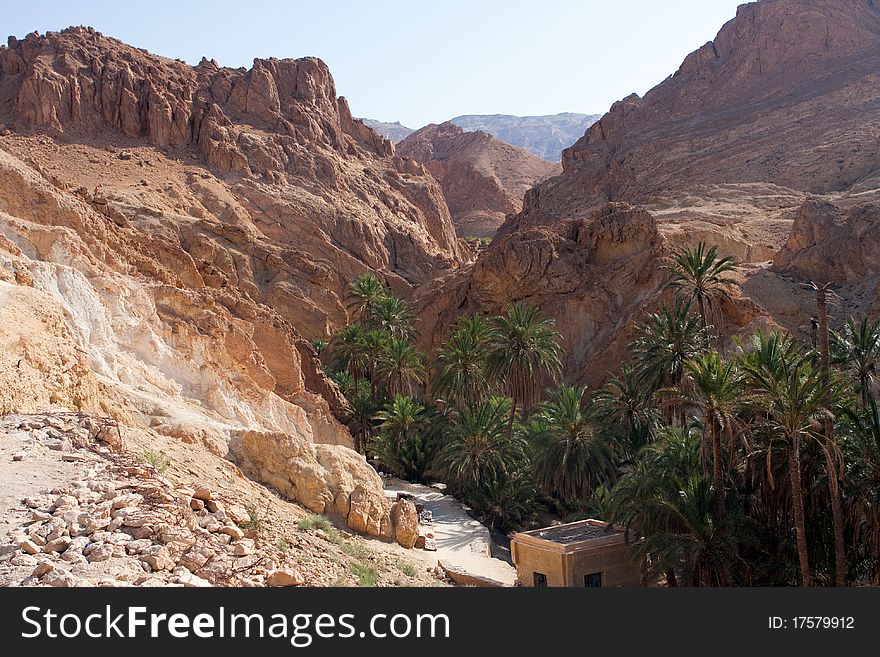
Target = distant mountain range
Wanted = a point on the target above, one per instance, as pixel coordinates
(396, 131)
(544, 136)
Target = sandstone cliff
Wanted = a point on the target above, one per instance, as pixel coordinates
(745, 146)
(173, 235)
(483, 178)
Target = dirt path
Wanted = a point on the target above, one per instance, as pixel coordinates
(461, 541)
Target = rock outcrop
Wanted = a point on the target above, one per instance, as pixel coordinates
(483, 178)
(396, 131)
(173, 237)
(596, 277)
(783, 101)
(781, 106)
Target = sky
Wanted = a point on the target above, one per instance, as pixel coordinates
(421, 62)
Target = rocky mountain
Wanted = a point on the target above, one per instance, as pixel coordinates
(396, 131)
(171, 237)
(483, 178)
(734, 148)
(545, 136)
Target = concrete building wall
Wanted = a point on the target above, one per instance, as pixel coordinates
(615, 562)
(567, 566)
(530, 559)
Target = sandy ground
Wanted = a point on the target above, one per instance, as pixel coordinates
(461, 541)
(39, 470)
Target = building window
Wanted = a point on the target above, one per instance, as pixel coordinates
(540, 580)
(593, 580)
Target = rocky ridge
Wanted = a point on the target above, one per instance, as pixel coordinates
(483, 178)
(763, 142)
(172, 236)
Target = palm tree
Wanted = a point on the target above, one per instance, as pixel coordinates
(795, 397)
(673, 457)
(461, 363)
(571, 457)
(359, 418)
(374, 346)
(363, 295)
(830, 449)
(856, 350)
(402, 445)
(320, 346)
(393, 315)
(349, 351)
(704, 550)
(524, 349)
(401, 417)
(668, 339)
(716, 389)
(700, 275)
(400, 367)
(478, 450)
(625, 406)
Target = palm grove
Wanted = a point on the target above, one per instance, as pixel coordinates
(730, 462)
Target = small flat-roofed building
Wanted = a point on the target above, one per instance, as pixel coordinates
(583, 553)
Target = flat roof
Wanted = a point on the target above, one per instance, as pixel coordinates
(575, 532)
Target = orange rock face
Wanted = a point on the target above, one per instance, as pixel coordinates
(483, 178)
(782, 105)
(172, 237)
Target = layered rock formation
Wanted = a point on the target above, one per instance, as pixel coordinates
(483, 178)
(782, 102)
(173, 235)
(758, 131)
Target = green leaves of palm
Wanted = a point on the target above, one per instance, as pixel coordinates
(700, 275)
(715, 388)
(400, 367)
(403, 444)
(393, 315)
(625, 406)
(402, 417)
(669, 339)
(478, 449)
(856, 349)
(524, 349)
(461, 363)
(571, 457)
(363, 295)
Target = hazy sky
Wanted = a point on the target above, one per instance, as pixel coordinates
(421, 62)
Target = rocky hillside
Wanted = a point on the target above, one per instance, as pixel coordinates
(483, 178)
(396, 131)
(735, 148)
(171, 237)
(545, 136)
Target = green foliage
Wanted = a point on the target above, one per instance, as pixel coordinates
(571, 456)
(364, 294)
(524, 350)
(718, 459)
(401, 367)
(478, 448)
(254, 524)
(461, 363)
(367, 576)
(158, 460)
(316, 522)
(701, 276)
(404, 445)
(407, 569)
